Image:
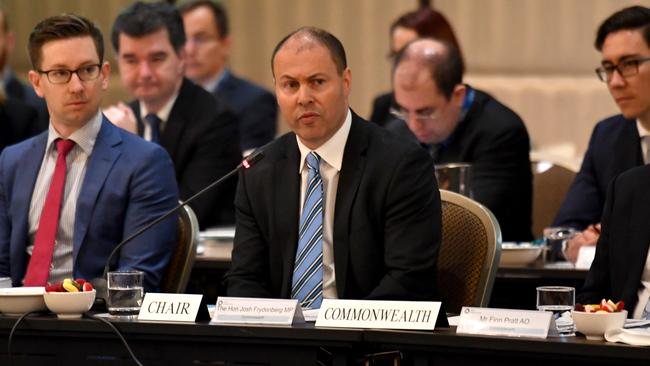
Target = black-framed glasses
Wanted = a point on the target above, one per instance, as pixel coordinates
(62, 76)
(625, 68)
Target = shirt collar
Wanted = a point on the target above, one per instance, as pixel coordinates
(85, 137)
(212, 84)
(332, 150)
(642, 131)
(164, 112)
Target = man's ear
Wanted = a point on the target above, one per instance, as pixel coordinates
(35, 80)
(458, 95)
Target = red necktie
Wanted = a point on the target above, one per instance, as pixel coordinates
(38, 270)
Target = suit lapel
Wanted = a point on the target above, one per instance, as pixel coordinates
(354, 162)
(286, 187)
(25, 182)
(101, 161)
(627, 152)
(175, 125)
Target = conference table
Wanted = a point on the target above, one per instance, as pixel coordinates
(44, 340)
(514, 286)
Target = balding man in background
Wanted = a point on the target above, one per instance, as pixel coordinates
(457, 123)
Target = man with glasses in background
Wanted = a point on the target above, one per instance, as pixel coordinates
(69, 195)
(457, 123)
(618, 143)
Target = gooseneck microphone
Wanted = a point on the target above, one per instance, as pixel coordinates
(248, 162)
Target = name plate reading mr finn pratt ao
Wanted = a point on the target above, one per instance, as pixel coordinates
(378, 314)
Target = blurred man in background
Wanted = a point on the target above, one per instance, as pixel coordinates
(207, 50)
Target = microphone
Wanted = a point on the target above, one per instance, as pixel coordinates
(100, 284)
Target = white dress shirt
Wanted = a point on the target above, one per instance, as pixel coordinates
(331, 153)
(163, 114)
(77, 161)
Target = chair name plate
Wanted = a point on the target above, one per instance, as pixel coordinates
(504, 322)
(378, 314)
(170, 307)
(249, 310)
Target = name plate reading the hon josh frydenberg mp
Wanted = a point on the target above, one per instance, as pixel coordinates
(170, 307)
(504, 322)
(250, 310)
(378, 314)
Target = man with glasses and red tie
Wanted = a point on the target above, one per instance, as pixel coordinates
(69, 195)
(459, 124)
(618, 143)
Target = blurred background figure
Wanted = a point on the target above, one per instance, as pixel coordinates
(22, 113)
(207, 50)
(425, 22)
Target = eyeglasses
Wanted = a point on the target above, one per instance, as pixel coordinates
(62, 76)
(625, 68)
(419, 116)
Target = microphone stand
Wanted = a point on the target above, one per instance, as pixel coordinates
(100, 284)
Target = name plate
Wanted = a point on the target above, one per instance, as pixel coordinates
(504, 322)
(170, 307)
(378, 314)
(250, 310)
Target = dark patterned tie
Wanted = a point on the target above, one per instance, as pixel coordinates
(154, 123)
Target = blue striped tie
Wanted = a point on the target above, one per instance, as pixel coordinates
(154, 123)
(307, 284)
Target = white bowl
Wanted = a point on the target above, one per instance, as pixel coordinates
(594, 325)
(16, 301)
(69, 305)
(513, 254)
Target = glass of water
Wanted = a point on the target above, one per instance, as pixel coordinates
(125, 293)
(559, 300)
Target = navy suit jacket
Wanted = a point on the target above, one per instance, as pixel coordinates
(614, 147)
(18, 122)
(202, 138)
(495, 141)
(622, 248)
(387, 221)
(255, 108)
(128, 183)
(17, 90)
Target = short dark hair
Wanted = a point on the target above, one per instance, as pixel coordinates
(322, 37)
(62, 26)
(446, 68)
(140, 19)
(630, 18)
(5, 20)
(218, 11)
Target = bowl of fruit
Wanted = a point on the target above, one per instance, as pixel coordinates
(69, 299)
(593, 320)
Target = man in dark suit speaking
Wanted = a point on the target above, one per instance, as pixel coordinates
(338, 208)
(457, 123)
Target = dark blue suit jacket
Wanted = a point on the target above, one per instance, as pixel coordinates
(128, 183)
(254, 107)
(614, 147)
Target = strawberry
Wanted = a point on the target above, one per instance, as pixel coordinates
(55, 287)
(80, 281)
(87, 286)
(620, 306)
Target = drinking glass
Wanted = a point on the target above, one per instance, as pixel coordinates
(125, 292)
(554, 237)
(559, 300)
(454, 177)
(5, 282)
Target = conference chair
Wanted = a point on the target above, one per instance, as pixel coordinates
(178, 271)
(551, 182)
(469, 254)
